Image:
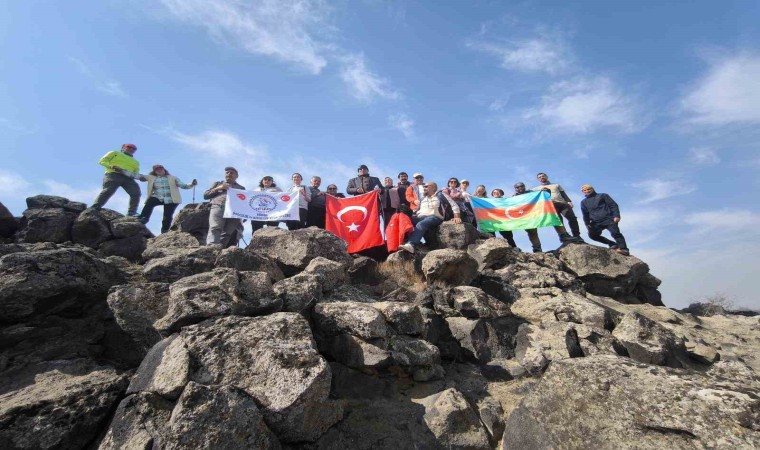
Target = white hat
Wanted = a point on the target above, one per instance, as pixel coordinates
(417, 174)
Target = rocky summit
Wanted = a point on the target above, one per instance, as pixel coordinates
(111, 338)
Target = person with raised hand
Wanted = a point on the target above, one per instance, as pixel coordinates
(163, 189)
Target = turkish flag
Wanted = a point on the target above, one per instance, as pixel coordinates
(356, 220)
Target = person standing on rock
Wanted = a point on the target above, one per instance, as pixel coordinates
(266, 184)
(535, 242)
(600, 212)
(163, 189)
(333, 190)
(303, 203)
(220, 230)
(363, 182)
(431, 213)
(416, 191)
(316, 213)
(562, 202)
(121, 171)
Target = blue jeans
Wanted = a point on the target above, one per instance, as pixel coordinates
(421, 226)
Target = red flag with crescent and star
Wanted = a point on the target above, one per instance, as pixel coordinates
(356, 220)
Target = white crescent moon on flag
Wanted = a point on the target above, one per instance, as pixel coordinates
(510, 211)
(351, 208)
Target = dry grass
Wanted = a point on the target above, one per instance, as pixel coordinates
(403, 274)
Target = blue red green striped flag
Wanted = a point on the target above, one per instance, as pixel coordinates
(521, 212)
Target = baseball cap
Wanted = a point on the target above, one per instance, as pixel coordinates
(363, 166)
(231, 169)
(417, 174)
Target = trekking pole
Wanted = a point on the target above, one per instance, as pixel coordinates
(193, 193)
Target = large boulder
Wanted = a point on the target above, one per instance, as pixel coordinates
(606, 402)
(299, 293)
(57, 404)
(357, 319)
(130, 247)
(603, 271)
(534, 274)
(242, 260)
(8, 223)
(479, 340)
(492, 253)
(169, 243)
(193, 219)
(52, 281)
(91, 228)
(470, 302)
(454, 422)
(46, 225)
(218, 293)
(447, 266)
(181, 263)
(565, 307)
(649, 342)
(538, 345)
(137, 307)
(457, 236)
(294, 250)
(331, 273)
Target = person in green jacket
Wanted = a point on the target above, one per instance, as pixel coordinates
(121, 171)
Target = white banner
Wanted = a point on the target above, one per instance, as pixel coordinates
(261, 206)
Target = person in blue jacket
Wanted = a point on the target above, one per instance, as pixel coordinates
(600, 212)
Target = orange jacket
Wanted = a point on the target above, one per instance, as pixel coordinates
(412, 193)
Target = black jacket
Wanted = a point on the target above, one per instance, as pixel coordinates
(366, 182)
(599, 208)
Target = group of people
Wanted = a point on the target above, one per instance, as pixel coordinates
(425, 205)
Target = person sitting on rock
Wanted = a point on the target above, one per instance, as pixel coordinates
(600, 212)
(121, 171)
(220, 230)
(435, 207)
(562, 203)
(266, 184)
(163, 189)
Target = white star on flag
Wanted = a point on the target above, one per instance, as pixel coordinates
(353, 227)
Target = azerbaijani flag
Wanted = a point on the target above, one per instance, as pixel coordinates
(522, 212)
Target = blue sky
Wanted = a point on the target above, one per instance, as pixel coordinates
(655, 103)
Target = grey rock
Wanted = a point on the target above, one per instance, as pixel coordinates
(125, 227)
(167, 244)
(193, 219)
(454, 422)
(537, 274)
(218, 293)
(364, 270)
(218, 417)
(137, 307)
(538, 345)
(181, 263)
(8, 223)
(421, 358)
(355, 352)
(492, 253)
(91, 229)
(348, 293)
(404, 318)
(57, 404)
(457, 236)
(46, 225)
(565, 307)
(332, 274)
(603, 271)
(164, 371)
(492, 416)
(497, 286)
(130, 248)
(454, 267)
(294, 250)
(626, 404)
(276, 362)
(243, 260)
(52, 281)
(482, 340)
(299, 293)
(470, 302)
(141, 421)
(357, 319)
(649, 342)
(53, 201)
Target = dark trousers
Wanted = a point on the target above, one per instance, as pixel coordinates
(564, 210)
(387, 214)
(316, 217)
(169, 209)
(595, 233)
(532, 236)
(303, 214)
(113, 181)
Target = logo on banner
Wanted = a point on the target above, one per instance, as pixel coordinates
(263, 204)
(285, 198)
(241, 196)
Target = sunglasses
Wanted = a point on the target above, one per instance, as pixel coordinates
(332, 189)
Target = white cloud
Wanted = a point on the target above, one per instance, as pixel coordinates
(729, 92)
(723, 220)
(703, 156)
(104, 85)
(540, 54)
(288, 30)
(13, 184)
(655, 189)
(585, 105)
(403, 123)
(221, 144)
(364, 84)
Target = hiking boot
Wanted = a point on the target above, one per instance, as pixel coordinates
(614, 247)
(537, 250)
(133, 214)
(622, 251)
(407, 247)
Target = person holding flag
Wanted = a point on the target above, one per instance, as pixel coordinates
(356, 220)
(266, 184)
(303, 203)
(600, 212)
(562, 202)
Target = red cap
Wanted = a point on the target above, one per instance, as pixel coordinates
(129, 146)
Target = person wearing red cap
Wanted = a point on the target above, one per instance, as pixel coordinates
(121, 171)
(163, 189)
